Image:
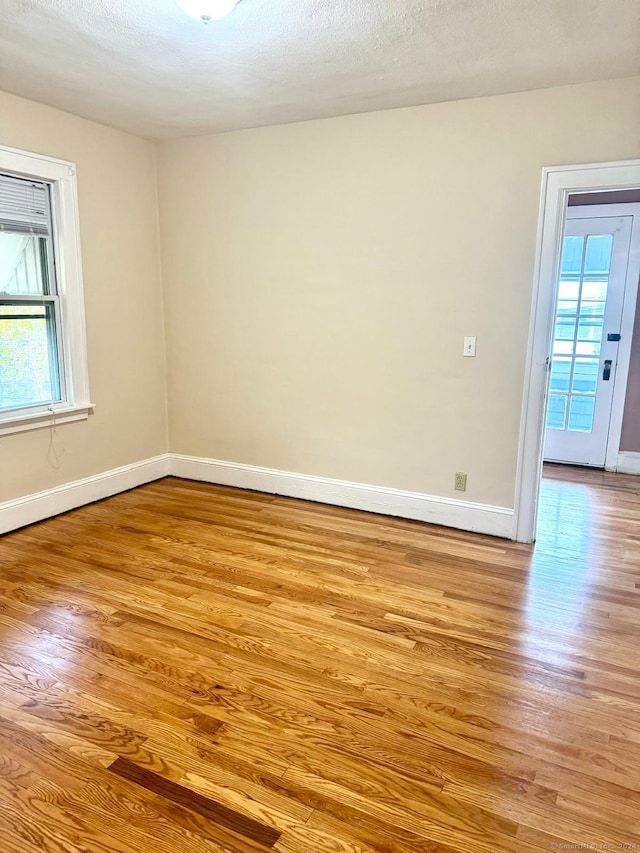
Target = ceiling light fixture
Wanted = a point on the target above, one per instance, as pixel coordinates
(208, 10)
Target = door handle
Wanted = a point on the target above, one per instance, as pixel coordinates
(606, 373)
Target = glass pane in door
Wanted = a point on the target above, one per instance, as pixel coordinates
(579, 327)
(557, 411)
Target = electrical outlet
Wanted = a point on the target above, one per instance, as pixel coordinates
(461, 482)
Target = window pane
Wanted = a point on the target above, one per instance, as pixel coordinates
(569, 288)
(562, 348)
(556, 411)
(594, 289)
(565, 328)
(590, 329)
(567, 308)
(581, 414)
(560, 374)
(598, 254)
(585, 375)
(23, 264)
(572, 254)
(588, 348)
(28, 357)
(592, 309)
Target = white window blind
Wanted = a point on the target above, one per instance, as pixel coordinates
(24, 206)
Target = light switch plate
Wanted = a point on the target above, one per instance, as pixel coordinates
(469, 347)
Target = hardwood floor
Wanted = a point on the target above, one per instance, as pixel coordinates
(193, 668)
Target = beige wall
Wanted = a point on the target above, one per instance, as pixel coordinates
(319, 279)
(120, 255)
(630, 438)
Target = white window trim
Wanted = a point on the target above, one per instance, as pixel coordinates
(61, 175)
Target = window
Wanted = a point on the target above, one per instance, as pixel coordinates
(32, 372)
(43, 370)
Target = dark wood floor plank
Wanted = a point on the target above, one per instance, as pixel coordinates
(203, 806)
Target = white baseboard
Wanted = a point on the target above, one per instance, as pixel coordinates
(628, 462)
(480, 518)
(41, 505)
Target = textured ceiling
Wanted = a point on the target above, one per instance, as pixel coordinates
(144, 66)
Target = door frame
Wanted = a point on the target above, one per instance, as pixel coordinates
(558, 183)
(623, 360)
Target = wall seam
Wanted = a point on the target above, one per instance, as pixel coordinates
(162, 298)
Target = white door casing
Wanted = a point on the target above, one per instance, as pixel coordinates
(558, 182)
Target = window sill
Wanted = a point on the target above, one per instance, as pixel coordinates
(45, 419)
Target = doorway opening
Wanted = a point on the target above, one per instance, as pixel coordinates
(592, 347)
(581, 410)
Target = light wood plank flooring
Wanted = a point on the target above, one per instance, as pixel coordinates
(193, 669)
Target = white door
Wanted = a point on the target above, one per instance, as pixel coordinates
(589, 304)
